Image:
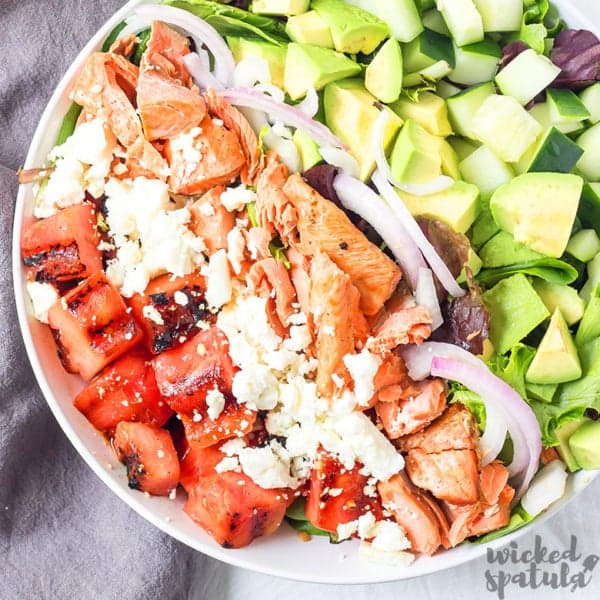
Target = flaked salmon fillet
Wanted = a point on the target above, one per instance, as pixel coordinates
(323, 227)
(208, 155)
(235, 121)
(335, 306)
(211, 220)
(168, 102)
(410, 325)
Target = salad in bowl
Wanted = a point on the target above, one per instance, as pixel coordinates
(332, 263)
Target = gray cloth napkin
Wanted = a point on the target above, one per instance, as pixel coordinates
(63, 534)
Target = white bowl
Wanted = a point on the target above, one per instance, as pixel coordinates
(282, 554)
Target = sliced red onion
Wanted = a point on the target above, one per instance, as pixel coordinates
(418, 358)
(134, 24)
(426, 295)
(271, 90)
(494, 436)
(290, 115)
(286, 149)
(547, 487)
(200, 30)
(310, 105)
(439, 184)
(523, 427)
(202, 76)
(341, 159)
(362, 200)
(431, 256)
(250, 71)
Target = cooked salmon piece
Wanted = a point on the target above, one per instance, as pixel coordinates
(335, 306)
(235, 121)
(202, 158)
(106, 87)
(144, 160)
(124, 46)
(269, 278)
(406, 326)
(456, 429)
(450, 475)
(168, 102)
(403, 409)
(211, 220)
(425, 526)
(490, 512)
(274, 211)
(323, 227)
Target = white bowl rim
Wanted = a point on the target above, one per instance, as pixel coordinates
(440, 562)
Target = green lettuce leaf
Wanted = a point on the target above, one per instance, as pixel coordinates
(549, 269)
(589, 328)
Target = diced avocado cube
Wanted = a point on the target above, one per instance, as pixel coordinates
(484, 227)
(503, 125)
(564, 106)
(593, 272)
(353, 29)
(563, 297)
(539, 209)
(515, 311)
(589, 207)
(541, 113)
(502, 250)
(544, 392)
(474, 264)
(242, 48)
(476, 63)
(589, 328)
(351, 113)
(450, 162)
(445, 89)
(553, 153)
(462, 108)
(526, 76)
(584, 245)
(589, 163)
(383, 77)
(416, 155)
(585, 445)
(427, 49)
(308, 66)
(284, 8)
(462, 147)
(307, 148)
(563, 433)
(463, 20)
(429, 111)
(434, 20)
(457, 206)
(309, 28)
(506, 15)
(484, 169)
(591, 99)
(556, 359)
(402, 16)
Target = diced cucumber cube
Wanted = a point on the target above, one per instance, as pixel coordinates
(506, 127)
(463, 20)
(541, 113)
(565, 106)
(593, 271)
(526, 76)
(584, 245)
(515, 311)
(589, 163)
(434, 20)
(476, 63)
(591, 99)
(484, 169)
(553, 153)
(589, 206)
(500, 15)
(427, 49)
(462, 107)
(429, 111)
(462, 147)
(445, 89)
(433, 73)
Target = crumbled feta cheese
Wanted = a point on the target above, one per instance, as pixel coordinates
(152, 314)
(207, 209)
(233, 447)
(180, 298)
(258, 388)
(218, 289)
(337, 380)
(236, 198)
(229, 463)
(366, 526)
(368, 553)
(215, 401)
(268, 466)
(183, 145)
(390, 537)
(43, 296)
(346, 530)
(362, 368)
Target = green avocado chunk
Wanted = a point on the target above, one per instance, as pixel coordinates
(284, 8)
(566, 298)
(428, 110)
(309, 28)
(309, 66)
(242, 48)
(563, 434)
(383, 77)
(556, 359)
(353, 30)
(515, 310)
(585, 445)
(539, 209)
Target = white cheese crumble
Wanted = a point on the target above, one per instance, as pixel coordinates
(43, 296)
(152, 314)
(236, 198)
(369, 553)
(183, 145)
(151, 236)
(257, 389)
(218, 287)
(362, 368)
(180, 298)
(81, 163)
(215, 401)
